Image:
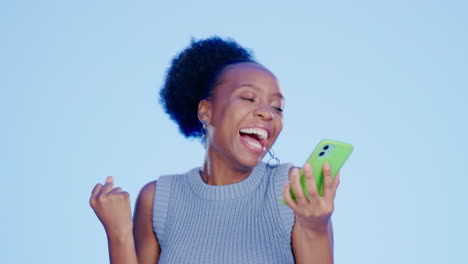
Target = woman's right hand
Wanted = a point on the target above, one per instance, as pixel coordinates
(112, 207)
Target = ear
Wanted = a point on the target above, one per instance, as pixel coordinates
(204, 111)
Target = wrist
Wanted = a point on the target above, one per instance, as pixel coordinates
(119, 234)
(315, 233)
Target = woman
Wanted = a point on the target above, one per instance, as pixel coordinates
(228, 210)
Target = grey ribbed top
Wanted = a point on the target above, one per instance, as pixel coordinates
(237, 223)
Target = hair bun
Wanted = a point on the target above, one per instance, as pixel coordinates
(190, 77)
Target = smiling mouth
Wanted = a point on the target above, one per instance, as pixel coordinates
(255, 137)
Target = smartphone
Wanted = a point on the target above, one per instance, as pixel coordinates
(331, 151)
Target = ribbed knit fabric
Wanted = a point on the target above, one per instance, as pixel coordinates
(238, 223)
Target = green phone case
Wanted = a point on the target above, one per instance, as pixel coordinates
(331, 151)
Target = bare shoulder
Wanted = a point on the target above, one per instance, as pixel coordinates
(146, 195)
(146, 243)
(144, 203)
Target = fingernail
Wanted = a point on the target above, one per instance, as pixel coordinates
(326, 166)
(293, 176)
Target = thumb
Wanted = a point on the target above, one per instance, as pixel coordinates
(109, 179)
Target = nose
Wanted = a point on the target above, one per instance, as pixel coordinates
(265, 112)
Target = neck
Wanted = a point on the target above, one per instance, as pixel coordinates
(219, 171)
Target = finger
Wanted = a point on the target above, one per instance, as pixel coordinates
(297, 187)
(288, 198)
(96, 190)
(310, 181)
(116, 190)
(107, 187)
(290, 173)
(291, 170)
(336, 183)
(94, 193)
(327, 180)
(125, 194)
(109, 179)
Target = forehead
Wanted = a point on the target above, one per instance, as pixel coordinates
(248, 74)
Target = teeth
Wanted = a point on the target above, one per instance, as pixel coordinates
(262, 133)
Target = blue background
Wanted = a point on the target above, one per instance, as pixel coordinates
(79, 101)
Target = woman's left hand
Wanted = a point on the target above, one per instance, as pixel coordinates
(312, 214)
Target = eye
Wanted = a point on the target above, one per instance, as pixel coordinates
(279, 109)
(248, 99)
(278, 106)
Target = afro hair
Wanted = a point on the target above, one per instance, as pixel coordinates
(192, 77)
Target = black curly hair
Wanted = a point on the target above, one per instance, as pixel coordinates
(192, 77)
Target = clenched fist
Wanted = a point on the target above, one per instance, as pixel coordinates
(112, 207)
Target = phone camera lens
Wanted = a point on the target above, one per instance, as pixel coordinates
(326, 147)
(321, 154)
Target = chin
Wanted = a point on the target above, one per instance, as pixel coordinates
(248, 162)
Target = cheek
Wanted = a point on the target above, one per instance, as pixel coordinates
(279, 126)
(235, 110)
(225, 120)
(220, 114)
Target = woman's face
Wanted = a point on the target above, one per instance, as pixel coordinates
(244, 115)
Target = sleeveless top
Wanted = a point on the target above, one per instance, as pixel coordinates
(238, 223)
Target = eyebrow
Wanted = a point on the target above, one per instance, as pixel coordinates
(260, 89)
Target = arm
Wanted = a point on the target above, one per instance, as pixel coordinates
(112, 207)
(147, 246)
(121, 248)
(312, 248)
(312, 236)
